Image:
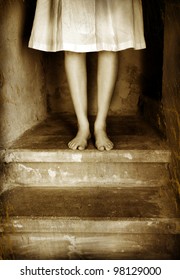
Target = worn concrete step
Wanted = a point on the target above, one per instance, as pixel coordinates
(65, 125)
(129, 134)
(100, 202)
(124, 155)
(56, 246)
(90, 223)
(41, 158)
(86, 174)
(134, 140)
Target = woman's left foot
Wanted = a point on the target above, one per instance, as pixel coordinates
(102, 142)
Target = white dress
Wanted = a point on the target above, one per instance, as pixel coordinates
(87, 25)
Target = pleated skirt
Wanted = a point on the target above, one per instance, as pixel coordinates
(87, 25)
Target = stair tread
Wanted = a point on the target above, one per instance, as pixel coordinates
(134, 141)
(127, 132)
(90, 203)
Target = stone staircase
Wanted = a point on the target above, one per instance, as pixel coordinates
(63, 204)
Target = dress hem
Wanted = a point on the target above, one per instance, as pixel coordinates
(86, 48)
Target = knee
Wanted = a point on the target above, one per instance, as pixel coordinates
(107, 53)
(74, 54)
(68, 53)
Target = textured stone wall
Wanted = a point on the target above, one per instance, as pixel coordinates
(171, 86)
(22, 94)
(150, 100)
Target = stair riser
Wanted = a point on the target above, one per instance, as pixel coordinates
(76, 174)
(74, 226)
(88, 246)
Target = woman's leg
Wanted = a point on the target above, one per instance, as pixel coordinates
(75, 65)
(107, 74)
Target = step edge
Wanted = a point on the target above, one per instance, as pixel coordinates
(105, 226)
(123, 184)
(8, 187)
(54, 155)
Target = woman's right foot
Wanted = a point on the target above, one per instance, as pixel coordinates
(80, 141)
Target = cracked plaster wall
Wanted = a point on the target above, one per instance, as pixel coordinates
(171, 85)
(22, 94)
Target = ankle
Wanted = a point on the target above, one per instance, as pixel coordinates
(83, 125)
(99, 126)
(84, 129)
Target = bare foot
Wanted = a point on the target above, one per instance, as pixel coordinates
(102, 141)
(80, 141)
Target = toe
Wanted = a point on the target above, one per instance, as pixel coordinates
(109, 146)
(77, 145)
(81, 148)
(72, 145)
(101, 148)
(69, 145)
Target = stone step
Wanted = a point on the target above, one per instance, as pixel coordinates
(55, 246)
(138, 155)
(41, 158)
(88, 223)
(86, 174)
(134, 140)
(63, 204)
